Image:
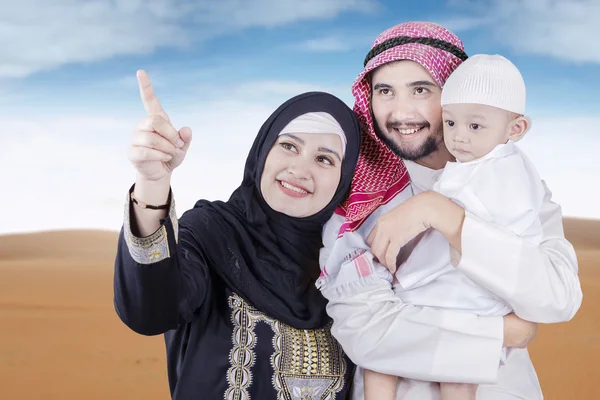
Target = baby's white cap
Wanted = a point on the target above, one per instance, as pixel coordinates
(486, 79)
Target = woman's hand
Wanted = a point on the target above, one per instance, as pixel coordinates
(157, 148)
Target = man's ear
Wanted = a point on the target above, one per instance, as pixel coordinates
(518, 128)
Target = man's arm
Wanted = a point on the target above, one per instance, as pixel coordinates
(540, 282)
(380, 333)
(537, 278)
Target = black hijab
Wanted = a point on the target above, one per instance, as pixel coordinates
(268, 258)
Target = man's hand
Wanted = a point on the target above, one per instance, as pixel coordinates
(398, 227)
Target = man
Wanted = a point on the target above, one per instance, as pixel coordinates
(391, 205)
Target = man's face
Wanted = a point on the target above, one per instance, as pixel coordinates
(407, 109)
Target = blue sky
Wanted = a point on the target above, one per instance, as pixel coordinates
(69, 98)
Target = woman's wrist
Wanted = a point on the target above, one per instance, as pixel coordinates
(153, 192)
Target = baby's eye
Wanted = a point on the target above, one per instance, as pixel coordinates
(449, 123)
(475, 126)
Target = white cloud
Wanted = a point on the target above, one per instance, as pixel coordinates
(282, 90)
(236, 14)
(564, 152)
(61, 172)
(38, 35)
(459, 24)
(326, 44)
(565, 30)
(72, 171)
(338, 42)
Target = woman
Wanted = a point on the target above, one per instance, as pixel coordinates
(232, 284)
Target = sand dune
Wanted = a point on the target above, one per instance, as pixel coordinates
(61, 339)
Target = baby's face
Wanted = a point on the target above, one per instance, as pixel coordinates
(473, 130)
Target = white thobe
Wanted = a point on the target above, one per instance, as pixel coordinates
(380, 332)
(501, 189)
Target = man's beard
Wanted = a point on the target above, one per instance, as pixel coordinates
(430, 145)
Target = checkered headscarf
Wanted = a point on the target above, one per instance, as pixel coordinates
(380, 174)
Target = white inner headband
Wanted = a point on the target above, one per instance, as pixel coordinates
(316, 122)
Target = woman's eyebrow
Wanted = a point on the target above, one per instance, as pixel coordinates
(327, 150)
(294, 137)
(321, 149)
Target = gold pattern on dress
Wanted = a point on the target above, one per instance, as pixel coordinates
(308, 364)
(241, 356)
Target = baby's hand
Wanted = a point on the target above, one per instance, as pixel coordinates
(518, 332)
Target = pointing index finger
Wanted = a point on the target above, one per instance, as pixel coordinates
(151, 103)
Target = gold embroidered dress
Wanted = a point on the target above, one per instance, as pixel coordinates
(229, 349)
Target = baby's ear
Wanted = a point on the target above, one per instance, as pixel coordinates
(518, 127)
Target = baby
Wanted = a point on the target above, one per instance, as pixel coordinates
(483, 105)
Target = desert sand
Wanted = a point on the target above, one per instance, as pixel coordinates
(61, 339)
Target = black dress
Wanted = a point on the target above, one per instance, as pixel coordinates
(229, 349)
(231, 285)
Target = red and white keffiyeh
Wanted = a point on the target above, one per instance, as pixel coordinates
(380, 174)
